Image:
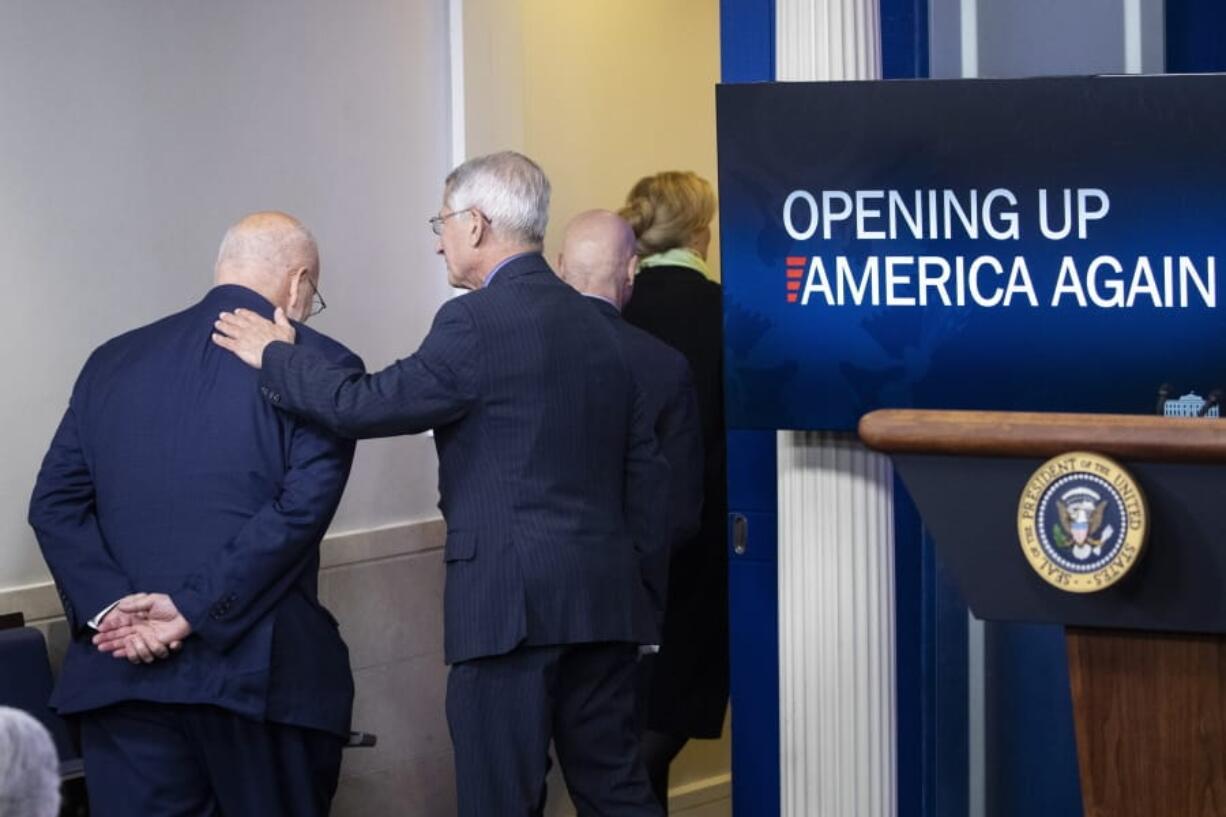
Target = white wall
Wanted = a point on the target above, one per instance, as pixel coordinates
(134, 132)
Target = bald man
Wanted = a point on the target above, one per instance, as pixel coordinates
(181, 514)
(598, 259)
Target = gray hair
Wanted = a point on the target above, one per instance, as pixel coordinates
(29, 767)
(511, 191)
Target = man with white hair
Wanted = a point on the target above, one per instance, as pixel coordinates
(29, 767)
(549, 482)
(181, 518)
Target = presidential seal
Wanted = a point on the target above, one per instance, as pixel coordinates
(1082, 522)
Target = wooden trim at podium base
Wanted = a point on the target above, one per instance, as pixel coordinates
(1151, 722)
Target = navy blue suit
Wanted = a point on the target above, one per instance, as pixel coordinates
(671, 402)
(550, 483)
(170, 474)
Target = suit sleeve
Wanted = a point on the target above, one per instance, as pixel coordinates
(223, 598)
(679, 431)
(63, 515)
(430, 388)
(646, 498)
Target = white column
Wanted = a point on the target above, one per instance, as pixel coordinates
(827, 39)
(836, 534)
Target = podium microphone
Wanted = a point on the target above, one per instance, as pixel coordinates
(1214, 398)
(1164, 391)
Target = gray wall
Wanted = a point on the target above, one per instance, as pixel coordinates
(135, 131)
(1025, 38)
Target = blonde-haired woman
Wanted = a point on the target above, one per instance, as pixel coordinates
(676, 300)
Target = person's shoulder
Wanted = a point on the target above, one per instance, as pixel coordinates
(710, 290)
(671, 287)
(463, 302)
(462, 311)
(332, 349)
(701, 286)
(122, 346)
(531, 284)
(529, 272)
(678, 276)
(654, 352)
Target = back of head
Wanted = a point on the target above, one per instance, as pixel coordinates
(265, 245)
(598, 254)
(275, 255)
(29, 767)
(668, 209)
(509, 189)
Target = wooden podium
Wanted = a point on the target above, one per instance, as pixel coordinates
(1147, 655)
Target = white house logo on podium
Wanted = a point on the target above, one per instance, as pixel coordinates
(1082, 522)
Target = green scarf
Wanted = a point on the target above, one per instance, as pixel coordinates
(677, 257)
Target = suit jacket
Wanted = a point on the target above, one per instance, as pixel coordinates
(689, 695)
(672, 404)
(170, 474)
(548, 472)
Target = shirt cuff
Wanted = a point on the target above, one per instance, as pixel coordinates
(96, 621)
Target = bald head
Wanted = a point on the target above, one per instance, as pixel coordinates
(274, 254)
(267, 241)
(598, 256)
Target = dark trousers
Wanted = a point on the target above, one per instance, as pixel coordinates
(164, 760)
(659, 749)
(503, 711)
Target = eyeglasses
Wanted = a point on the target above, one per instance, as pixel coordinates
(436, 223)
(318, 304)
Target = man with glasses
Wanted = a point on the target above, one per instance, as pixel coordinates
(181, 516)
(550, 484)
(318, 304)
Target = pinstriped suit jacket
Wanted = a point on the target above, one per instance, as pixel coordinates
(549, 476)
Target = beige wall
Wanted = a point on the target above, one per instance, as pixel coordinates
(601, 94)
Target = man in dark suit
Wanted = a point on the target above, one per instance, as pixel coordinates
(598, 259)
(181, 517)
(549, 482)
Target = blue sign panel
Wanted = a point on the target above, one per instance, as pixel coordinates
(1042, 244)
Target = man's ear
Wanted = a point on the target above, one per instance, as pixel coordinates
(295, 286)
(632, 269)
(299, 298)
(477, 228)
